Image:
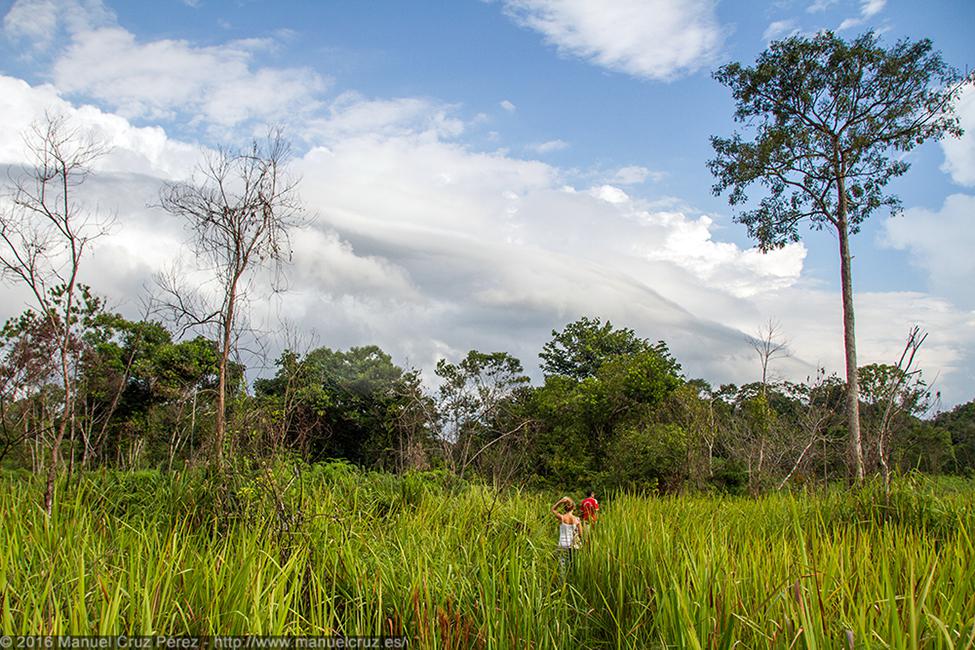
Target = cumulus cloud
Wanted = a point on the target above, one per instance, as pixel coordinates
(218, 86)
(501, 252)
(161, 79)
(131, 150)
(508, 106)
(940, 243)
(960, 152)
(652, 39)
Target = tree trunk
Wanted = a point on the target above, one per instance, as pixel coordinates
(52, 470)
(228, 329)
(67, 419)
(849, 341)
(221, 421)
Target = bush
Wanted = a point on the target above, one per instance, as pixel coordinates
(649, 458)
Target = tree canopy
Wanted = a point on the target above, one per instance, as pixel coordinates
(827, 114)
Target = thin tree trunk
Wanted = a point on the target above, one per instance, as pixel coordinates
(849, 341)
(797, 463)
(66, 419)
(52, 469)
(228, 327)
(118, 393)
(220, 424)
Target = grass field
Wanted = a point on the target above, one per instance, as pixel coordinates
(450, 566)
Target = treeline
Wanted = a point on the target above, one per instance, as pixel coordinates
(614, 411)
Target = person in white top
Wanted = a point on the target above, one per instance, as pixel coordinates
(569, 529)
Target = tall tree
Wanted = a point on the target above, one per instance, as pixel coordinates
(826, 116)
(579, 350)
(44, 234)
(240, 208)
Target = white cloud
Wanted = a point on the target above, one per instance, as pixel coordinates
(549, 146)
(653, 39)
(742, 273)
(351, 114)
(960, 152)
(820, 5)
(428, 248)
(217, 85)
(868, 9)
(44, 22)
(610, 194)
(780, 28)
(634, 175)
(940, 243)
(508, 106)
(812, 321)
(146, 151)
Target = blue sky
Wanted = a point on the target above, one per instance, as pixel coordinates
(482, 172)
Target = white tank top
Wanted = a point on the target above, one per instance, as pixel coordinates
(567, 536)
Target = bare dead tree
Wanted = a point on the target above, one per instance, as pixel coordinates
(44, 234)
(296, 345)
(239, 207)
(769, 345)
(904, 382)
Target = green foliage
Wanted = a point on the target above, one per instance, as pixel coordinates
(960, 424)
(483, 414)
(608, 381)
(145, 400)
(580, 349)
(924, 446)
(475, 392)
(648, 458)
(826, 114)
(340, 403)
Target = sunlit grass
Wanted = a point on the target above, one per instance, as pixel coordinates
(451, 567)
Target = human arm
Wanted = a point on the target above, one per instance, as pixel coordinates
(555, 508)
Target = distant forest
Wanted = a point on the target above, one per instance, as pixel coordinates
(614, 412)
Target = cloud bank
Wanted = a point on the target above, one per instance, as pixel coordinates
(427, 246)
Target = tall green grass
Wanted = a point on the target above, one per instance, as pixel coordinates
(451, 566)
